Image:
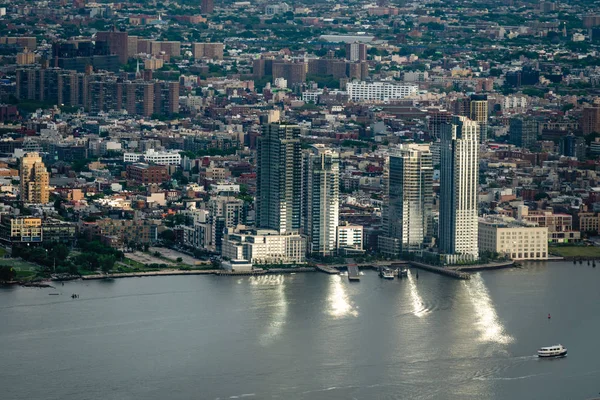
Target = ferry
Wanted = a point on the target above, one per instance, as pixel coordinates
(552, 351)
(387, 273)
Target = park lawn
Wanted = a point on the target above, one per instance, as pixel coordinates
(24, 269)
(576, 251)
(2, 252)
(133, 264)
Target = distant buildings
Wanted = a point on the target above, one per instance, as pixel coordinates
(590, 119)
(97, 92)
(356, 51)
(213, 51)
(364, 91)
(117, 43)
(523, 132)
(321, 185)
(34, 180)
(278, 180)
(207, 6)
(35, 230)
(459, 176)
(147, 174)
(479, 114)
(407, 214)
(154, 157)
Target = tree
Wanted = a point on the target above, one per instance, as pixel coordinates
(179, 259)
(107, 262)
(58, 252)
(7, 274)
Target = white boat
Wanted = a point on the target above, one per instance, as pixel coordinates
(387, 273)
(553, 351)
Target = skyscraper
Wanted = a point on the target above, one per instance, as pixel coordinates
(356, 52)
(479, 114)
(523, 132)
(321, 201)
(407, 225)
(459, 173)
(207, 6)
(279, 178)
(34, 180)
(118, 43)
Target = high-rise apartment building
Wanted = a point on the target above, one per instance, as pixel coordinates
(34, 179)
(590, 119)
(118, 43)
(459, 175)
(279, 178)
(207, 6)
(213, 51)
(523, 132)
(407, 213)
(321, 199)
(356, 51)
(293, 73)
(479, 114)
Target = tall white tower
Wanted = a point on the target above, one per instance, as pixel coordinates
(459, 176)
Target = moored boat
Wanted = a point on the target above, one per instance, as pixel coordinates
(387, 273)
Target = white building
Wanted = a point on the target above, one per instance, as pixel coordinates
(312, 95)
(156, 157)
(459, 175)
(415, 76)
(363, 91)
(264, 246)
(350, 237)
(517, 240)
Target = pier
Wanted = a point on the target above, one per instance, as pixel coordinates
(440, 270)
(353, 273)
(328, 270)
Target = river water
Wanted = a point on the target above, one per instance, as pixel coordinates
(305, 336)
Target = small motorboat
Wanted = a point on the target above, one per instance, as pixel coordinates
(403, 272)
(387, 273)
(553, 351)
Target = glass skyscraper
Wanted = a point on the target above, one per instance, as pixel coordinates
(279, 178)
(407, 224)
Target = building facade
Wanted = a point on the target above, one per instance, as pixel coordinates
(321, 206)
(383, 91)
(279, 178)
(479, 114)
(459, 175)
(513, 239)
(523, 132)
(264, 247)
(34, 179)
(407, 213)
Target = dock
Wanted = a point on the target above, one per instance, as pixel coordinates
(353, 273)
(328, 270)
(442, 271)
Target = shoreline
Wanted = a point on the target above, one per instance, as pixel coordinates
(457, 272)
